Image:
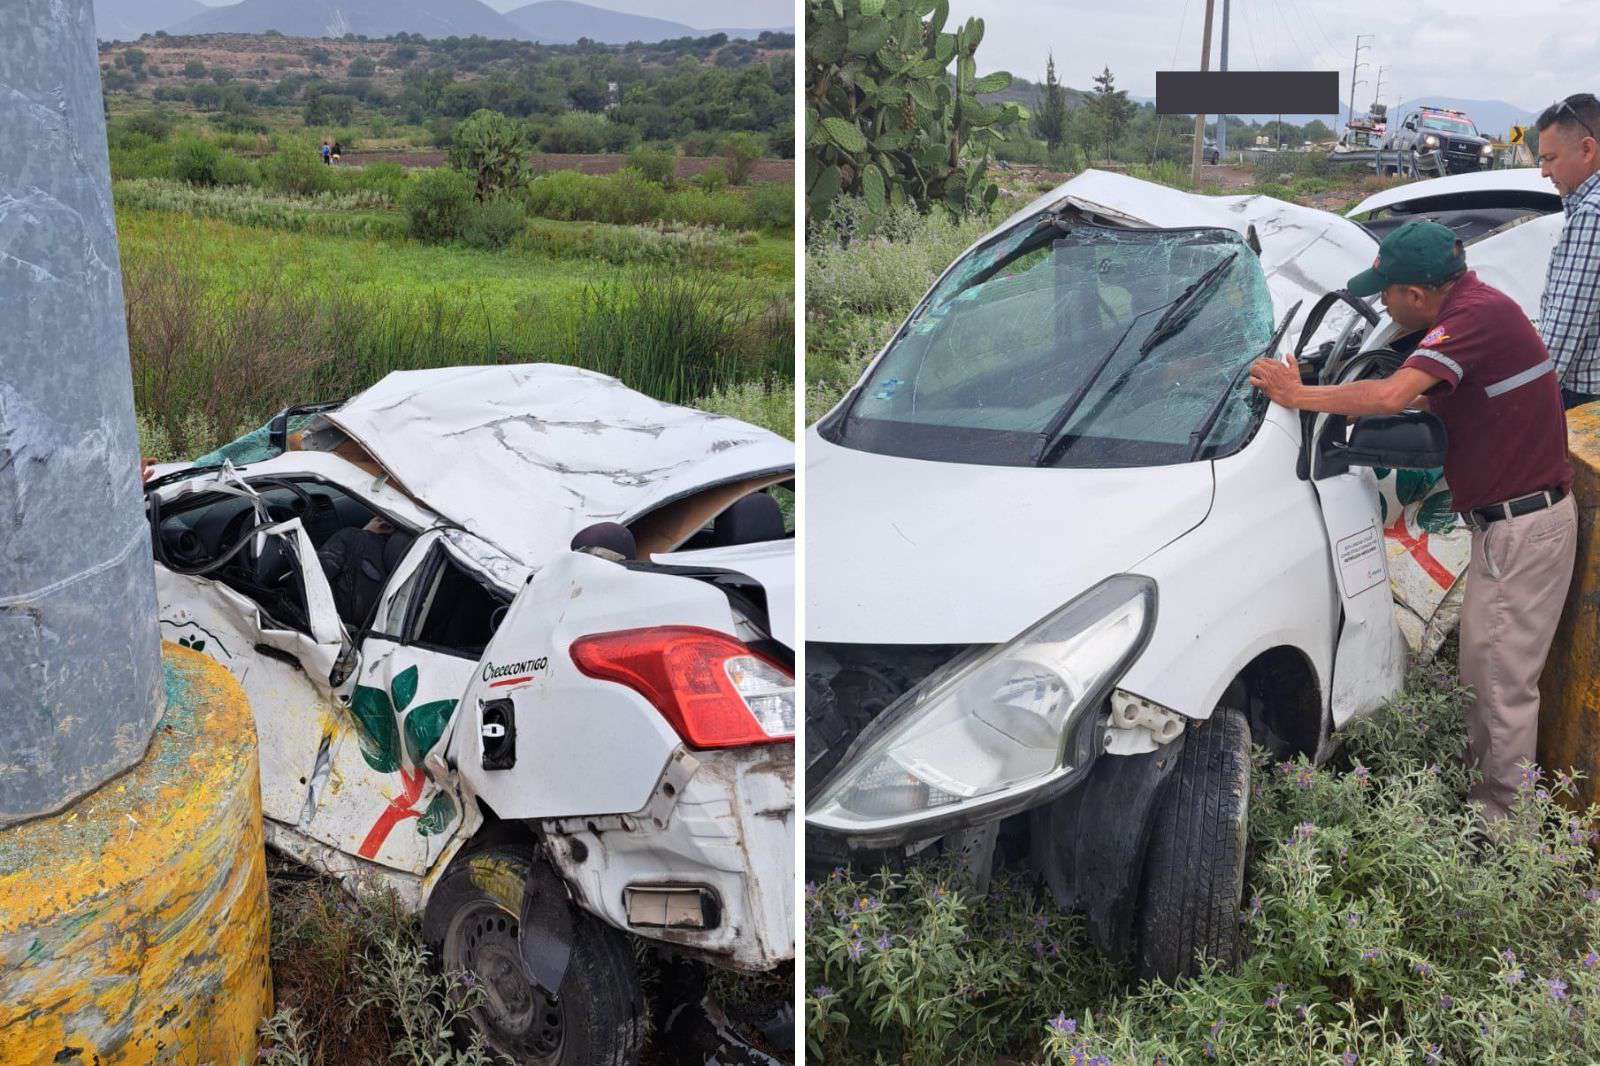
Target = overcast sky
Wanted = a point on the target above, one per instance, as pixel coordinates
(1528, 53)
(698, 13)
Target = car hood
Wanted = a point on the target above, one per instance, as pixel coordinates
(525, 456)
(1464, 189)
(771, 563)
(907, 551)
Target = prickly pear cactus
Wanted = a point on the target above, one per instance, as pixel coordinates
(887, 119)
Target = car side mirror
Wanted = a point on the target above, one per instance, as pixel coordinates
(1415, 440)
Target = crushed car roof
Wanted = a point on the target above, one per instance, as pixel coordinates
(1516, 180)
(527, 455)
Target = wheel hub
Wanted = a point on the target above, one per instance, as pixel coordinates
(514, 1015)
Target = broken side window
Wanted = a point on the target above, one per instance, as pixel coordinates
(1022, 331)
(457, 611)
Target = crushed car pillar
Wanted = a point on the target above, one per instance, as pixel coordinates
(1569, 711)
(133, 903)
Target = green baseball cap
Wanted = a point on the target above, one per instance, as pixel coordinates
(1418, 253)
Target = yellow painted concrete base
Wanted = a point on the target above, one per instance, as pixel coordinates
(1569, 704)
(133, 925)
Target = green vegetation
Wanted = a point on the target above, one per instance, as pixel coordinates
(1378, 934)
(884, 119)
(581, 98)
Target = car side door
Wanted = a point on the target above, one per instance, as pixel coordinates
(417, 659)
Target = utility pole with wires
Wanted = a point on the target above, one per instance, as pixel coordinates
(1222, 120)
(1200, 120)
(1355, 68)
(1377, 94)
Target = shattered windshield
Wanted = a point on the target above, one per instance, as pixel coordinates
(1074, 345)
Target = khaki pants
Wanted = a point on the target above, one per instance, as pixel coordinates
(1516, 586)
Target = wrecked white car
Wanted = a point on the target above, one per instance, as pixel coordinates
(1065, 564)
(541, 749)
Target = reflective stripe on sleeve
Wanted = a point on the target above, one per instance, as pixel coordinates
(1516, 381)
(1442, 360)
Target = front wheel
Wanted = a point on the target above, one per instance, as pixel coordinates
(471, 927)
(1194, 866)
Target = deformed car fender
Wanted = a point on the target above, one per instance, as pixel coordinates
(1256, 575)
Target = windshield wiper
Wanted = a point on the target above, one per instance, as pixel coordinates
(1052, 435)
(1197, 439)
(1183, 309)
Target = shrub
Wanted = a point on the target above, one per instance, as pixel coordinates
(296, 168)
(584, 133)
(493, 224)
(391, 180)
(742, 152)
(712, 179)
(626, 196)
(232, 170)
(772, 206)
(438, 204)
(659, 164)
(361, 67)
(493, 149)
(194, 70)
(195, 160)
(155, 125)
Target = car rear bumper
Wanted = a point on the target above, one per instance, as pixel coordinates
(708, 866)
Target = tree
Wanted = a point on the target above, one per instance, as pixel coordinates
(361, 67)
(493, 149)
(1050, 121)
(1111, 109)
(742, 151)
(194, 70)
(1317, 130)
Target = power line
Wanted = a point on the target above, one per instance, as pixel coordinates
(1250, 25)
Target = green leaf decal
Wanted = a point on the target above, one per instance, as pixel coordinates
(380, 741)
(1383, 509)
(1412, 485)
(425, 725)
(404, 687)
(437, 818)
(1436, 515)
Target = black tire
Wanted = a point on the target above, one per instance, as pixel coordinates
(599, 1018)
(1194, 866)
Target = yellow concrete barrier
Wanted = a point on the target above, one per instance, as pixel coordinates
(133, 925)
(1569, 704)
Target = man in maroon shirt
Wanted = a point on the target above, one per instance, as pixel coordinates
(1483, 370)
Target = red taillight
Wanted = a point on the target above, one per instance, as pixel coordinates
(712, 689)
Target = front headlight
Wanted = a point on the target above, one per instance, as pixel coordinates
(1431, 141)
(1488, 149)
(994, 731)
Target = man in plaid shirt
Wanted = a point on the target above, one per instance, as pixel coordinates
(1569, 311)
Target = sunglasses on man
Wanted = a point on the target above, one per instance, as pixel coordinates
(1569, 106)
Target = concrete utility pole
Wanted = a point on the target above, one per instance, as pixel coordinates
(1222, 120)
(1377, 93)
(1200, 120)
(1355, 67)
(80, 657)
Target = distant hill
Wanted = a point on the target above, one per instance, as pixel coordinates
(565, 21)
(335, 18)
(128, 20)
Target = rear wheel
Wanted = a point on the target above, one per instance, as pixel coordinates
(1194, 866)
(471, 927)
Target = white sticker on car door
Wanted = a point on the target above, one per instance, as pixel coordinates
(1361, 562)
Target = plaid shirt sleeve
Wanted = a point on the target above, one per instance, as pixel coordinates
(1569, 317)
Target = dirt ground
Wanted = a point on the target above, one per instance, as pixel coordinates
(688, 166)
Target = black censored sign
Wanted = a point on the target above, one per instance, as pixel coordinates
(1247, 92)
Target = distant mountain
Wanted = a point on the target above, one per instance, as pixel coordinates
(128, 20)
(565, 21)
(335, 18)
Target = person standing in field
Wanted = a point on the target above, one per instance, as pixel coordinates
(327, 154)
(1569, 310)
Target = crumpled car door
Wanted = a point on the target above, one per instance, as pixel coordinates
(388, 808)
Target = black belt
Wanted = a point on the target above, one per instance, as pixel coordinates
(1537, 501)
